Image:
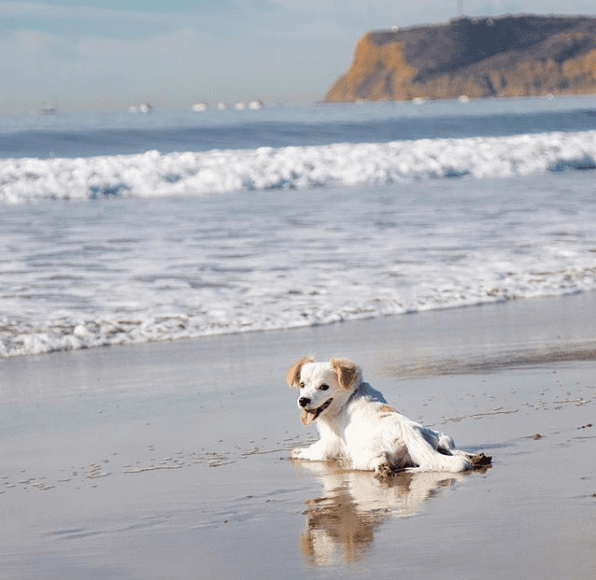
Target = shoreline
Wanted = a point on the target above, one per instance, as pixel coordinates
(163, 459)
(562, 339)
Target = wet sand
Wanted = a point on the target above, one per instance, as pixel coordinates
(170, 460)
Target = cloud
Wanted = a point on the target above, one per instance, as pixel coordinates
(263, 53)
(57, 11)
(171, 69)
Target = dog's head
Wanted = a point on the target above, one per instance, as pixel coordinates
(324, 386)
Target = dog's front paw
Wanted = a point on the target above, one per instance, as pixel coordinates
(298, 453)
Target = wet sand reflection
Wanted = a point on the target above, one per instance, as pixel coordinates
(340, 525)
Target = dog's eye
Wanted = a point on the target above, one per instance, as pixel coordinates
(324, 387)
(301, 385)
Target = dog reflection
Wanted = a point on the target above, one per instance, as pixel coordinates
(342, 522)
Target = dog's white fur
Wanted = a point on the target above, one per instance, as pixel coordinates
(358, 428)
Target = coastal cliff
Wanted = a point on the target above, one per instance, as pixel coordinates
(511, 56)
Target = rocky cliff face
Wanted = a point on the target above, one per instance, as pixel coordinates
(502, 57)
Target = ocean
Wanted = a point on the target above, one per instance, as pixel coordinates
(120, 228)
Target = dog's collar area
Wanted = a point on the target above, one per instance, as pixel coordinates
(352, 396)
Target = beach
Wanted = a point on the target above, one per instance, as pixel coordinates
(161, 272)
(170, 460)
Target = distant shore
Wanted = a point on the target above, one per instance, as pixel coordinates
(509, 56)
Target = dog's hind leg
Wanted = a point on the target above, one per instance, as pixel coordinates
(427, 457)
(446, 445)
(368, 462)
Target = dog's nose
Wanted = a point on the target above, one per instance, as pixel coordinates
(303, 401)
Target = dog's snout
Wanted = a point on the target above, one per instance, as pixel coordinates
(303, 401)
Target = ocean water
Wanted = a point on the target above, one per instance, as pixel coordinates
(120, 228)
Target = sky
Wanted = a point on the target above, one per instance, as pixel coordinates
(108, 54)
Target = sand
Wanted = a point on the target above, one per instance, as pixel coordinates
(171, 460)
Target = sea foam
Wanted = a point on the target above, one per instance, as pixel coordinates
(152, 174)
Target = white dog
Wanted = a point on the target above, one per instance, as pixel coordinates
(358, 428)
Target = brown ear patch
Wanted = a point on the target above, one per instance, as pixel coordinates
(293, 374)
(387, 409)
(347, 372)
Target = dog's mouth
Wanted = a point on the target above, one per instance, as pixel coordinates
(308, 416)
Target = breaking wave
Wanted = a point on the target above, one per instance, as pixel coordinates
(153, 174)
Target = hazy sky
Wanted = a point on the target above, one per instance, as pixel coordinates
(108, 54)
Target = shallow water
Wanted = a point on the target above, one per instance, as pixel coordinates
(129, 271)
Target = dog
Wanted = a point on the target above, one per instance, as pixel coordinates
(358, 428)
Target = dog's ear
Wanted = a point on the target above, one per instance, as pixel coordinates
(349, 374)
(293, 374)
